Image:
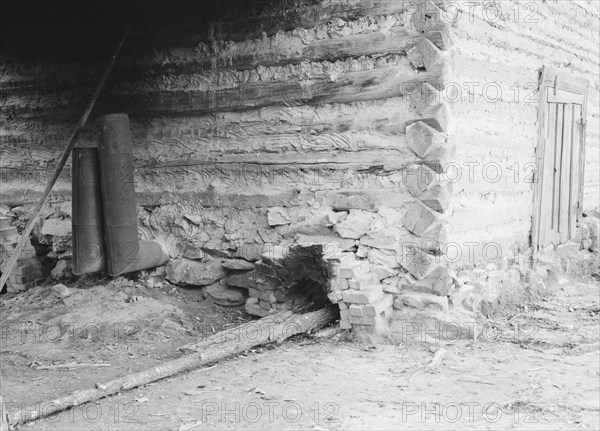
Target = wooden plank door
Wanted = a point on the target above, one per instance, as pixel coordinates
(560, 155)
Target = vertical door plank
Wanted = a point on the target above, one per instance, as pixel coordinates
(547, 178)
(575, 174)
(582, 136)
(565, 174)
(556, 173)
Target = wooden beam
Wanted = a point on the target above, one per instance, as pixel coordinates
(217, 347)
(554, 78)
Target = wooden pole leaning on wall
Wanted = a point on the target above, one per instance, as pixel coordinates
(65, 156)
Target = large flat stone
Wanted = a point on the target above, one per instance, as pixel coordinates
(238, 265)
(242, 279)
(277, 216)
(194, 273)
(56, 227)
(356, 224)
(332, 244)
(226, 296)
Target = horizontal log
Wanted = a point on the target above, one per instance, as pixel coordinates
(31, 156)
(398, 40)
(333, 125)
(282, 17)
(380, 83)
(392, 159)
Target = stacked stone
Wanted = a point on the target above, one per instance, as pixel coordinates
(27, 272)
(56, 233)
(356, 290)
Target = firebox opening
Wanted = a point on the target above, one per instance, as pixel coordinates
(291, 278)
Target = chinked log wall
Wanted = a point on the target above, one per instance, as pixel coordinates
(328, 114)
(497, 124)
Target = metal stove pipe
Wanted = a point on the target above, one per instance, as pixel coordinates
(125, 253)
(118, 194)
(88, 242)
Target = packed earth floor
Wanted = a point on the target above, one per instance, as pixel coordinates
(536, 369)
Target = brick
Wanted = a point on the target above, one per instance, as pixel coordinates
(344, 314)
(32, 265)
(420, 219)
(380, 306)
(345, 324)
(356, 310)
(31, 276)
(337, 284)
(20, 287)
(365, 296)
(335, 296)
(363, 281)
(342, 305)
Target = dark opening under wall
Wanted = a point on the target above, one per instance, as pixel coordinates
(291, 278)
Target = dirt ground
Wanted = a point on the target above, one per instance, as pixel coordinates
(535, 370)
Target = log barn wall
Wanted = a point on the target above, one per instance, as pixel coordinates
(246, 134)
(496, 60)
(369, 126)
